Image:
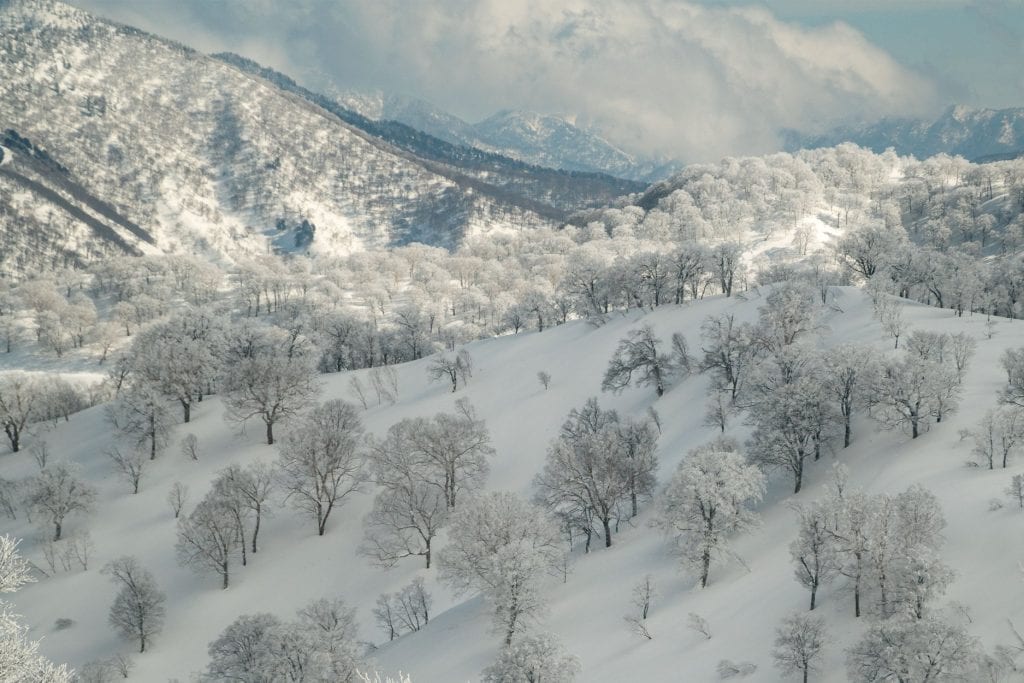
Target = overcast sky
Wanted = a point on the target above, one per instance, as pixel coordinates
(692, 79)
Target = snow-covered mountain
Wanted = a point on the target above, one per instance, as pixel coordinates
(208, 157)
(975, 134)
(541, 139)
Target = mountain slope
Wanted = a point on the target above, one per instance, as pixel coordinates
(743, 604)
(975, 134)
(208, 159)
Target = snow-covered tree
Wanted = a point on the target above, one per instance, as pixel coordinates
(729, 352)
(640, 606)
(142, 415)
(321, 460)
(455, 368)
(138, 610)
(20, 396)
(799, 642)
(19, 657)
(587, 474)
(848, 371)
(1016, 490)
(998, 435)
(813, 551)
(129, 465)
(449, 451)
(504, 547)
(532, 659)
(56, 492)
(912, 391)
(406, 516)
(639, 354)
(708, 501)
(208, 538)
(914, 651)
(271, 375)
(177, 495)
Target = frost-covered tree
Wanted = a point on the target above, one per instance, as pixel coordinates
(177, 358)
(57, 492)
(322, 461)
(449, 451)
(271, 376)
(208, 538)
(640, 604)
(639, 354)
(142, 415)
(813, 551)
(138, 610)
(406, 517)
(504, 547)
(913, 651)
(20, 397)
(707, 501)
(595, 467)
(19, 657)
(848, 371)
(129, 465)
(799, 642)
(790, 313)
(320, 645)
(455, 368)
(177, 495)
(1016, 490)
(792, 424)
(912, 391)
(729, 352)
(532, 659)
(998, 435)
(413, 605)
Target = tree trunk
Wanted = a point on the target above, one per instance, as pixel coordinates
(224, 574)
(270, 432)
(705, 568)
(846, 433)
(186, 408)
(56, 532)
(255, 532)
(814, 593)
(427, 554)
(607, 532)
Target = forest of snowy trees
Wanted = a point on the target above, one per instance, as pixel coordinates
(169, 332)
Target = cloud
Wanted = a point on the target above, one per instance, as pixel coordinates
(655, 76)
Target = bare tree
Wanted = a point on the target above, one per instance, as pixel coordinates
(321, 462)
(456, 368)
(56, 493)
(176, 497)
(19, 405)
(643, 594)
(274, 382)
(190, 446)
(544, 378)
(638, 353)
(138, 610)
(798, 644)
(141, 414)
(129, 466)
(208, 538)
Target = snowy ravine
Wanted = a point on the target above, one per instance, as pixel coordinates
(742, 605)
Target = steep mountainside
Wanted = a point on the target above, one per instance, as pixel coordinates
(975, 134)
(532, 138)
(206, 158)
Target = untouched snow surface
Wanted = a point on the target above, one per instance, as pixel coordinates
(742, 606)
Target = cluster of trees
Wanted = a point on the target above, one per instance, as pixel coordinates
(598, 469)
(319, 645)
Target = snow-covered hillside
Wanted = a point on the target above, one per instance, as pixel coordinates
(212, 160)
(743, 603)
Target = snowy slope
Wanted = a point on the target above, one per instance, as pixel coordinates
(743, 607)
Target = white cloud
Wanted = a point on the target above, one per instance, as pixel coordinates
(656, 76)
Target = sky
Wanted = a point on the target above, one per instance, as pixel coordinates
(686, 79)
